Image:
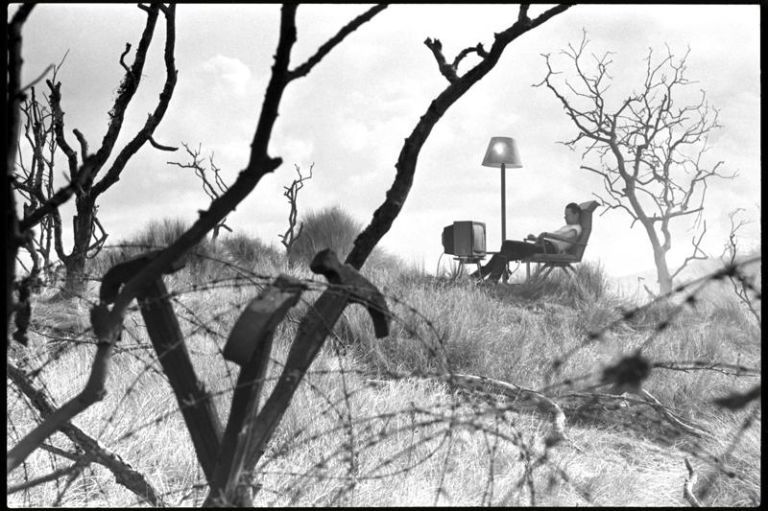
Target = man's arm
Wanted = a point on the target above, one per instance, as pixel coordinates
(551, 236)
(570, 237)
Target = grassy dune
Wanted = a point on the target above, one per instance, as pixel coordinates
(370, 427)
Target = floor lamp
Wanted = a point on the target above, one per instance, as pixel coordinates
(502, 152)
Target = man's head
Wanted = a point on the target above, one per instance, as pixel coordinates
(572, 213)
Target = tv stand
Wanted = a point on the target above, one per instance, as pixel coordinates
(464, 260)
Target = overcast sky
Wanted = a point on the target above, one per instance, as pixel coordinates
(349, 116)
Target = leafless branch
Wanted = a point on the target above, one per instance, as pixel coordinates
(160, 146)
(516, 392)
(672, 417)
(58, 128)
(98, 239)
(292, 193)
(326, 48)
(690, 482)
(739, 282)
(53, 476)
(697, 252)
(122, 57)
(59, 198)
(83, 144)
(447, 70)
(127, 90)
(522, 15)
(466, 51)
(213, 189)
(92, 392)
(124, 474)
(38, 79)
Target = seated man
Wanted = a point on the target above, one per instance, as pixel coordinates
(556, 242)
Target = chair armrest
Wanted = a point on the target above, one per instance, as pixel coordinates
(552, 258)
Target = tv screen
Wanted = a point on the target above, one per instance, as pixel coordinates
(464, 239)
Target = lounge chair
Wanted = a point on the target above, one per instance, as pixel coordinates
(548, 262)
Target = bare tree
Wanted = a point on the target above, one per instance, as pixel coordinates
(214, 185)
(648, 149)
(48, 137)
(229, 456)
(292, 194)
(210, 177)
(743, 285)
(34, 178)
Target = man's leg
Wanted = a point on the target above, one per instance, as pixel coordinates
(511, 250)
(488, 268)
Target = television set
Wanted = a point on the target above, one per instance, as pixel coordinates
(464, 238)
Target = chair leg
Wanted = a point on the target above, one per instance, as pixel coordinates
(542, 271)
(547, 271)
(568, 269)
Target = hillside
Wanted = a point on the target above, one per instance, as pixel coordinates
(537, 417)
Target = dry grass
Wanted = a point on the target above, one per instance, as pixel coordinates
(367, 428)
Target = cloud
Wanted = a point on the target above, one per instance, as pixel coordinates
(231, 74)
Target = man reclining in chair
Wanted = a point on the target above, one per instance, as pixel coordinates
(556, 242)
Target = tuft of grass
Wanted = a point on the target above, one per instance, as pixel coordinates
(157, 234)
(232, 255)
(337, 230)
(331, 228)
(251, 253)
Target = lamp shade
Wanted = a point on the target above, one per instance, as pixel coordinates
(502, 150)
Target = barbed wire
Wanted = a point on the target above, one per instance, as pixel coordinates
(347, 448)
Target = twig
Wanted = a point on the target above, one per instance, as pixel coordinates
(690, 481)
(447, 70)
(656, 404)
(738, 400)
(72, 456)
(558, 420)
(60, 197)
(122, 59)
(160, 146)
(46, 478)
(350, 27)
(38, 79)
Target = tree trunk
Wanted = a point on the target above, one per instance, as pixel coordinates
(659, 250)
(662, 271)
(75, 283)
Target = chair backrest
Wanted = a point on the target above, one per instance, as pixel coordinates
(587, 208)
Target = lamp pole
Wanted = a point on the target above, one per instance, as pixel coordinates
(503, 205)
(502, 151)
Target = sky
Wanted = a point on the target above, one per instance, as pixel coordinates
(350, 115)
